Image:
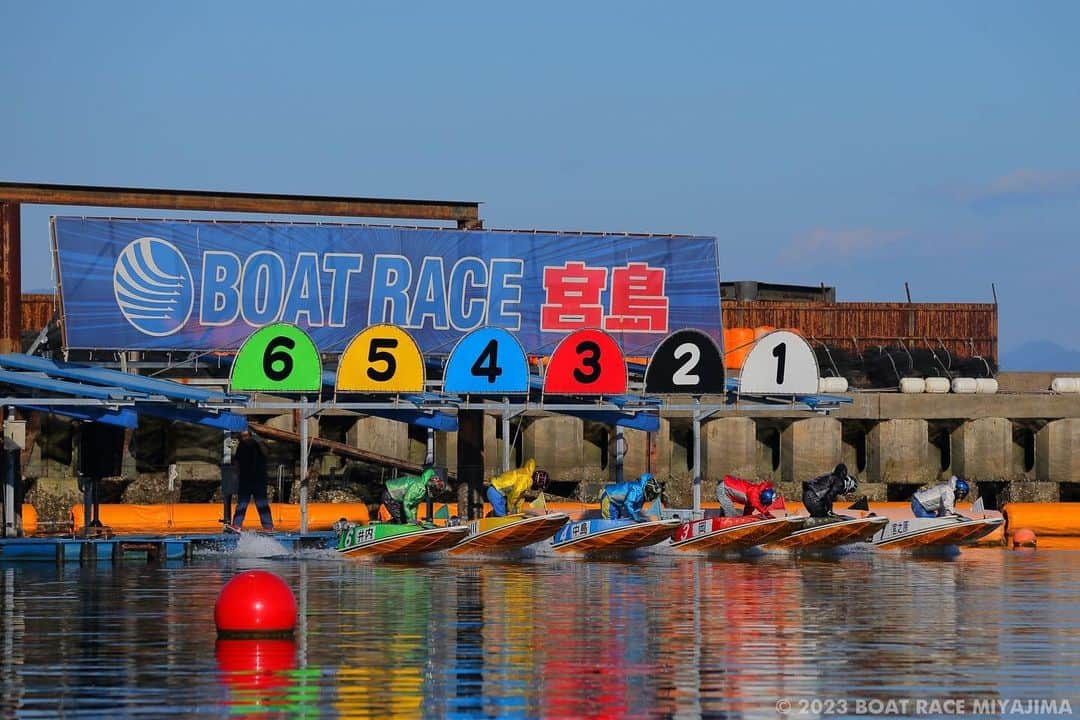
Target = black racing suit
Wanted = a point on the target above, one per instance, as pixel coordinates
(820, 493)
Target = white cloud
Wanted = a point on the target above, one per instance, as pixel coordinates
(822, 243)
(1024, 186)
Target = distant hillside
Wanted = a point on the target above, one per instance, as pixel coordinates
(1041, 356)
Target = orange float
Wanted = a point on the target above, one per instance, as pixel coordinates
(180, 518)
(737, 343)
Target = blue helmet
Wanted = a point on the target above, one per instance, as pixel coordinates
(962, 487)
(768, 496)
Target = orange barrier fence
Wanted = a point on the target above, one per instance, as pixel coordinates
(206, 517)
(29, 519)
(1056, 524)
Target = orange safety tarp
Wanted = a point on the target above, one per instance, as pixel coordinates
(1055, 524)
(206, 517)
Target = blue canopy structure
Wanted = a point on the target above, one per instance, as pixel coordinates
(105, 376)
(124, 417)
(433, 419)
(112, 388)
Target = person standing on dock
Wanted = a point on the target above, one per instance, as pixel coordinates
(625, 500)
(822, 491)
(506, 492)
(250, 462)
(754, 497)
(939, 500)
(403, 495)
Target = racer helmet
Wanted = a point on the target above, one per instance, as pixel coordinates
(652, 487)
(768, 497)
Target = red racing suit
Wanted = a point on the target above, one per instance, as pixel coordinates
(736, 490)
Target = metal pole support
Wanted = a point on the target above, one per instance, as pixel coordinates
(303, 467)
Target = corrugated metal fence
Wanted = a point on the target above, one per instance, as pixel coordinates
(963, 329)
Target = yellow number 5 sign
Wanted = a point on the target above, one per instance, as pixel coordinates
(381, 359)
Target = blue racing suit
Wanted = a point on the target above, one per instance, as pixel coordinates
(623, 500)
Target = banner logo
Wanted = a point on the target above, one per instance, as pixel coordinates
(153, 286)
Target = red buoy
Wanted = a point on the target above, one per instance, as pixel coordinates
(255, 664)
(255, 603)
(1024, 537)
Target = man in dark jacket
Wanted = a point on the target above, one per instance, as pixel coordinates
(250, 462)
(822, 491)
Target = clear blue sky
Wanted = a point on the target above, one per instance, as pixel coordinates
(859, 144)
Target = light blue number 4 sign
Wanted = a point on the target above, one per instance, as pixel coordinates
(488, 361)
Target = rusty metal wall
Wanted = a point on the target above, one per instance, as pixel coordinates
(964, 329)
(36, 312)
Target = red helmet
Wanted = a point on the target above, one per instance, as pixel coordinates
(540, 479)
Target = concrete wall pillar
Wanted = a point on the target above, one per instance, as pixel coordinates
(635, 454)
(898, 451)
(556, 444)
(729, 447)
(981, 449)
(1057, 451)
(673, 450)
(808, 448)
(386, 437)
(446, 447)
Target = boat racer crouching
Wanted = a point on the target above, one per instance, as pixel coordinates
(754, 497)
(822, 491)
(625, 500)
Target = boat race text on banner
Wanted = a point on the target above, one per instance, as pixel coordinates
(178, 285)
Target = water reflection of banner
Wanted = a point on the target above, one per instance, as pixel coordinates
(384, 675)
(729, 632)
(600, 667)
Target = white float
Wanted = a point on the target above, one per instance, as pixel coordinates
(964, 386)
(986, 386)
(1065, 385)
(937, 385)
(912, 385)
(832, 385)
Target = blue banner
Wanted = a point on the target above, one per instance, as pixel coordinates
(177, 285)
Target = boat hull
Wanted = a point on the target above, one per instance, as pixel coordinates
(915, 533)
(499, 535)
(611, 536)
(388, 539)
(819, 535)
(732, 533)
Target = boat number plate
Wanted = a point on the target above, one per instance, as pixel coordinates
(357, 535)
(579, 530)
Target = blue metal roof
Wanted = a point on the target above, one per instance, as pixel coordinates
(105, 376)
(124, 417)
(41, 382)
(229, 421)
(112, 386)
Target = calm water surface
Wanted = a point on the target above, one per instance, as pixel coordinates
(659, 637)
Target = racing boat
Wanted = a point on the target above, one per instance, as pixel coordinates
(718, 534)
(831, 532)
(391, 539)
(911, 533)
(595, 536)
(513, 532)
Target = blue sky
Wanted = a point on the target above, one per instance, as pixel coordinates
(863, 145)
